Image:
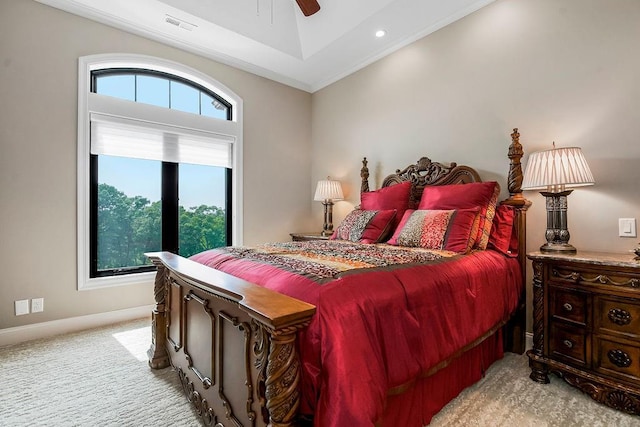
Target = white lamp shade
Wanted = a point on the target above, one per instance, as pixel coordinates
(328, 189)
(557, 169)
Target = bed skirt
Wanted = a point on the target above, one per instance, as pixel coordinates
(427, 396)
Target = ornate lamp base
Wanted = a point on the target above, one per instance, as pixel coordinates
(557, 233)
(327, 227)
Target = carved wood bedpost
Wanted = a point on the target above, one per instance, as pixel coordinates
(283, 377)
(364, 175)
(157, 353)
(538, 370)
(514, 333)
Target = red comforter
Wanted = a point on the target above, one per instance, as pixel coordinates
(385, 315)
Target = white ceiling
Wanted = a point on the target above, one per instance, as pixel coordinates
(272, 38)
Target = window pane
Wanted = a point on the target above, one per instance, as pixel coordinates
(202, 191)
(119, 86)
(211, 107)
(153, 90)
(129, 211)
(184, 98)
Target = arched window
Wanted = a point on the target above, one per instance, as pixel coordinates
(159, 148)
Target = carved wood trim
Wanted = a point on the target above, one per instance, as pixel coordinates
(261, 354)
(601, 391)
(199, 403)
(206, 380)
(514, 180)
(157, 353)
(278, 366)
(177, 345)
(364, 177)
(245, 329)
(283, 377)
(599, 278)
(538, 312)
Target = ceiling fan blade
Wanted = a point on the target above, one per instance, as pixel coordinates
(308, 7)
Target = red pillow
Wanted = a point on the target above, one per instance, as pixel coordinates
(365, 226)
(465, 196)
(502, 237)
(450, 230)
(393, 197)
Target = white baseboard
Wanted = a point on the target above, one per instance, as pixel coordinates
(20, 334)
(528, 340)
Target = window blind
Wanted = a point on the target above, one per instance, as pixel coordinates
(127, 137)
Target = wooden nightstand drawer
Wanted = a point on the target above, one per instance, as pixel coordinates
(586, 324)
(568, 305)
(568, 343)
(617, 359)
(617, 316)
(589, 276)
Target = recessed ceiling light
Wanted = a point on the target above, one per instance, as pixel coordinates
(381, 33)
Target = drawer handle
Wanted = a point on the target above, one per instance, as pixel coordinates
(619, 358)
(567, 306)
(568, 343)
(619, 316)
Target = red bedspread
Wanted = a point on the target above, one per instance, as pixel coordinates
(385, 315)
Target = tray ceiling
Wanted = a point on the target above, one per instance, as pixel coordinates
(272, 38)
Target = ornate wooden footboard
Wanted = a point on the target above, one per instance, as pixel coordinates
(233, 343)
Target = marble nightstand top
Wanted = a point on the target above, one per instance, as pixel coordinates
(588, 257)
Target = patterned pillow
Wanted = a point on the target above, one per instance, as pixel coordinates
(465, 196)
(436, 229)
(365, 226)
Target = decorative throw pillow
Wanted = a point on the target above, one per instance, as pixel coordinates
(365, 226)
(502, 237)
(436, 229)
(392, 197)
(464, 196)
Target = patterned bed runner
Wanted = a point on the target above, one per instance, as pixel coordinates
(322, 260)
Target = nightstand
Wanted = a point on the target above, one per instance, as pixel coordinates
(586, 324)
(304, 237)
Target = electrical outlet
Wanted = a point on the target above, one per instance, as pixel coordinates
(37, 305)
(22, 307)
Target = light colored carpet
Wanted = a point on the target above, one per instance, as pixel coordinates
(100, 378)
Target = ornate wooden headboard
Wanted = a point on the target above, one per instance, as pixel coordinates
(423, 174)
(427, 173)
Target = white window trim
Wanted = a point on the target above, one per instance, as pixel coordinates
(233, 128)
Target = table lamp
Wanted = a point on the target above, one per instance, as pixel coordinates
(327, 191)
(556, 171)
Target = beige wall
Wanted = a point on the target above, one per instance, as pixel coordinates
(39, 50)
(564, 71)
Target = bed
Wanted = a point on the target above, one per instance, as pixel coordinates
(412, 299)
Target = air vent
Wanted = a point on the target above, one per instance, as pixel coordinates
(179, 23)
